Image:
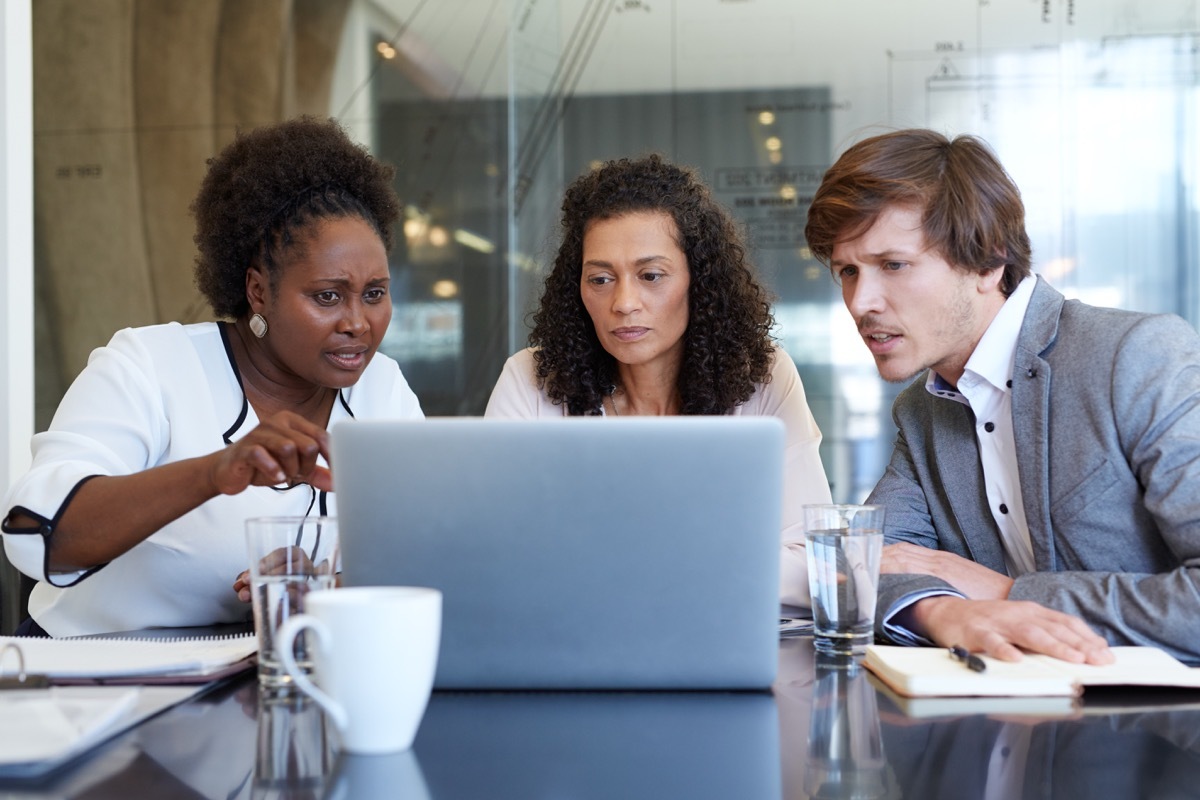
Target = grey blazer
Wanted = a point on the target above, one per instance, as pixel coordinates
(1106, 410)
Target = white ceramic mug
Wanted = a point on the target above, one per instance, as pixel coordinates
(375, 654)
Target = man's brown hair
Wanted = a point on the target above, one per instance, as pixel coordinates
(972, 213)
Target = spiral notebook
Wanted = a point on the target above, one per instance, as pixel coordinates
(115, 660)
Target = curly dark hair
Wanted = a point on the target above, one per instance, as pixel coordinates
(727, 345)
(266, 187)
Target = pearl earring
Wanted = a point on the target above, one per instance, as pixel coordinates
(258, 325)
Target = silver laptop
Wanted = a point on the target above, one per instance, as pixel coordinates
(576, 553)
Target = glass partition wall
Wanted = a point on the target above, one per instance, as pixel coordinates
(1093, 111)
(488, 108)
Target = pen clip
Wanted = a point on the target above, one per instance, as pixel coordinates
(22, 680)
(968, 659)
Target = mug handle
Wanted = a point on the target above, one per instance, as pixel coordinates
(292, 628)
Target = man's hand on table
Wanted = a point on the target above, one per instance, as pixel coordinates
(1004, 629)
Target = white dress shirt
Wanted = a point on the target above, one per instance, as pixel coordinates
(986, 388)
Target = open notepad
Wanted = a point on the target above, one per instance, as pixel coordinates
(44, 729)
(932, 672)
(129, 660)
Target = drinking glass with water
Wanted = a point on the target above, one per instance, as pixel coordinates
(289, 557)
(844, 545)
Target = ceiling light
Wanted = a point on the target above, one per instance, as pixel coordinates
(444, 289)
(473, 241)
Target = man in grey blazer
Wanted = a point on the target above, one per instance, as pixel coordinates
(1044, 490)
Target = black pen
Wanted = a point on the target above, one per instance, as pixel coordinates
(972, 661)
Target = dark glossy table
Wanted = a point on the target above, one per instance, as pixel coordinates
(825, 731)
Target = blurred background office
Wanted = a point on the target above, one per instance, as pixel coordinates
(488, 108)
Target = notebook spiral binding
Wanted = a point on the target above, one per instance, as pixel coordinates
(22, 679)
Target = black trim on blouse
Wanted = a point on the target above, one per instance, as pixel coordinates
(46, 528)
(223, 328)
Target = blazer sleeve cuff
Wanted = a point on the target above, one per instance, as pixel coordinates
(897, 632)
(897, 593)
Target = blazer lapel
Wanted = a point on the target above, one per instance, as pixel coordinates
(1031, 406)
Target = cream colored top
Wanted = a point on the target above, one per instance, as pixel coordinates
(517, 395)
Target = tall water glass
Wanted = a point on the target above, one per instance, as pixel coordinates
(289, 557)
(844, 545)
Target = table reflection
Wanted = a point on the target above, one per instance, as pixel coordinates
(294, 754)
(845, 750)
(826, 732)
(601, 745)
(1094, 753)
(394, 775)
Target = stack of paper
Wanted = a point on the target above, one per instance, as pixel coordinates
(795, 626)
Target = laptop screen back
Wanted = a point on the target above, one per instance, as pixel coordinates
(577, 553)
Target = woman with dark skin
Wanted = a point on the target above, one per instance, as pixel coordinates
(652, 308)
(132, 515)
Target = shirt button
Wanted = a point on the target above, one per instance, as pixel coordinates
(989, 426)
(1008, 384)
(1003, 508)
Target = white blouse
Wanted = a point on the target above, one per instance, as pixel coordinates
(153, 396)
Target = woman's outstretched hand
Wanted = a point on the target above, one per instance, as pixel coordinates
(281, 450)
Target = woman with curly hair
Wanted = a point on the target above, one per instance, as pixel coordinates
(653, 309)
(132, 515)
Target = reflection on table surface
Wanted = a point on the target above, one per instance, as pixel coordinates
(828, 730)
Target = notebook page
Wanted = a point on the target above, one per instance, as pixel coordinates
(41, 724)
(931, 672)
(42, 729)
(1134, 666)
